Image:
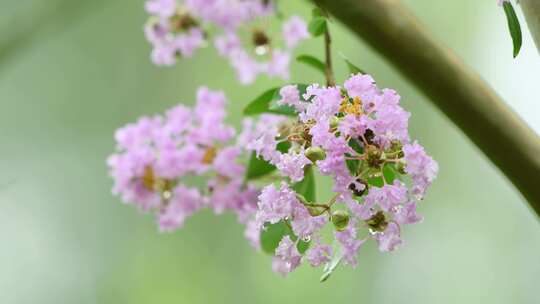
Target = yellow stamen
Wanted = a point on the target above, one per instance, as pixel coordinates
(209, 155)
(354, 107)
(148, 178)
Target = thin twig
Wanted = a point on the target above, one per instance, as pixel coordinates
(328, 70)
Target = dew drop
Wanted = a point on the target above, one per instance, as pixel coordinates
(166, 195)
(261, 50)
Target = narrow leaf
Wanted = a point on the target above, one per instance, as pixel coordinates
(353, 69)
(513, 26)
(317, 26)
(312, 62)
(334, 263)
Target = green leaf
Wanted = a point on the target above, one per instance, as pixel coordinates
(272, 235)
(312, 62)
(353, 69)
(355, 144)
(261, 104)
(513, 26)
(282, 110)
(306, 187)
(259, 167)
(376, 181)
(352, 165)
(303, 246)
(267, 103)
(389, 173)
(317, 26)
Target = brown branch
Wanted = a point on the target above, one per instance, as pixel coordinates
(458, 91)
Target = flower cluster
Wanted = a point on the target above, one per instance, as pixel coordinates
(159, 159)
(179, 30)
(359, 136)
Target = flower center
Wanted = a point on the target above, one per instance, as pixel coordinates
(182, 22)
(209, 155)
(354, 107)
(148, 178)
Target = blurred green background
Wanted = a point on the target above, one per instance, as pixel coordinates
(80, 74)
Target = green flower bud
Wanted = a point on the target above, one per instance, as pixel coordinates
(340, 219)
(334, 122)
(315, 153)
(400, 167)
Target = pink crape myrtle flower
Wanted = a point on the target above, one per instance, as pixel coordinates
(156, 156)
(177, 29)
(358, 136)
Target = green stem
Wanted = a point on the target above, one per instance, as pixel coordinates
(328, 69)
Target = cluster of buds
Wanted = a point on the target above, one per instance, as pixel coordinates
(176, 30)
(358, 135)
(158, 158)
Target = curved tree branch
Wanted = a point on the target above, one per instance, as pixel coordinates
(452, 86)
(531, 10)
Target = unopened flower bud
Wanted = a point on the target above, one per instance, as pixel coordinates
(315, 153)
(334, 122)
(400, 167)
(183, 22)
(374, 156)
(340, 219)
(377, 222)
(259, 38)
